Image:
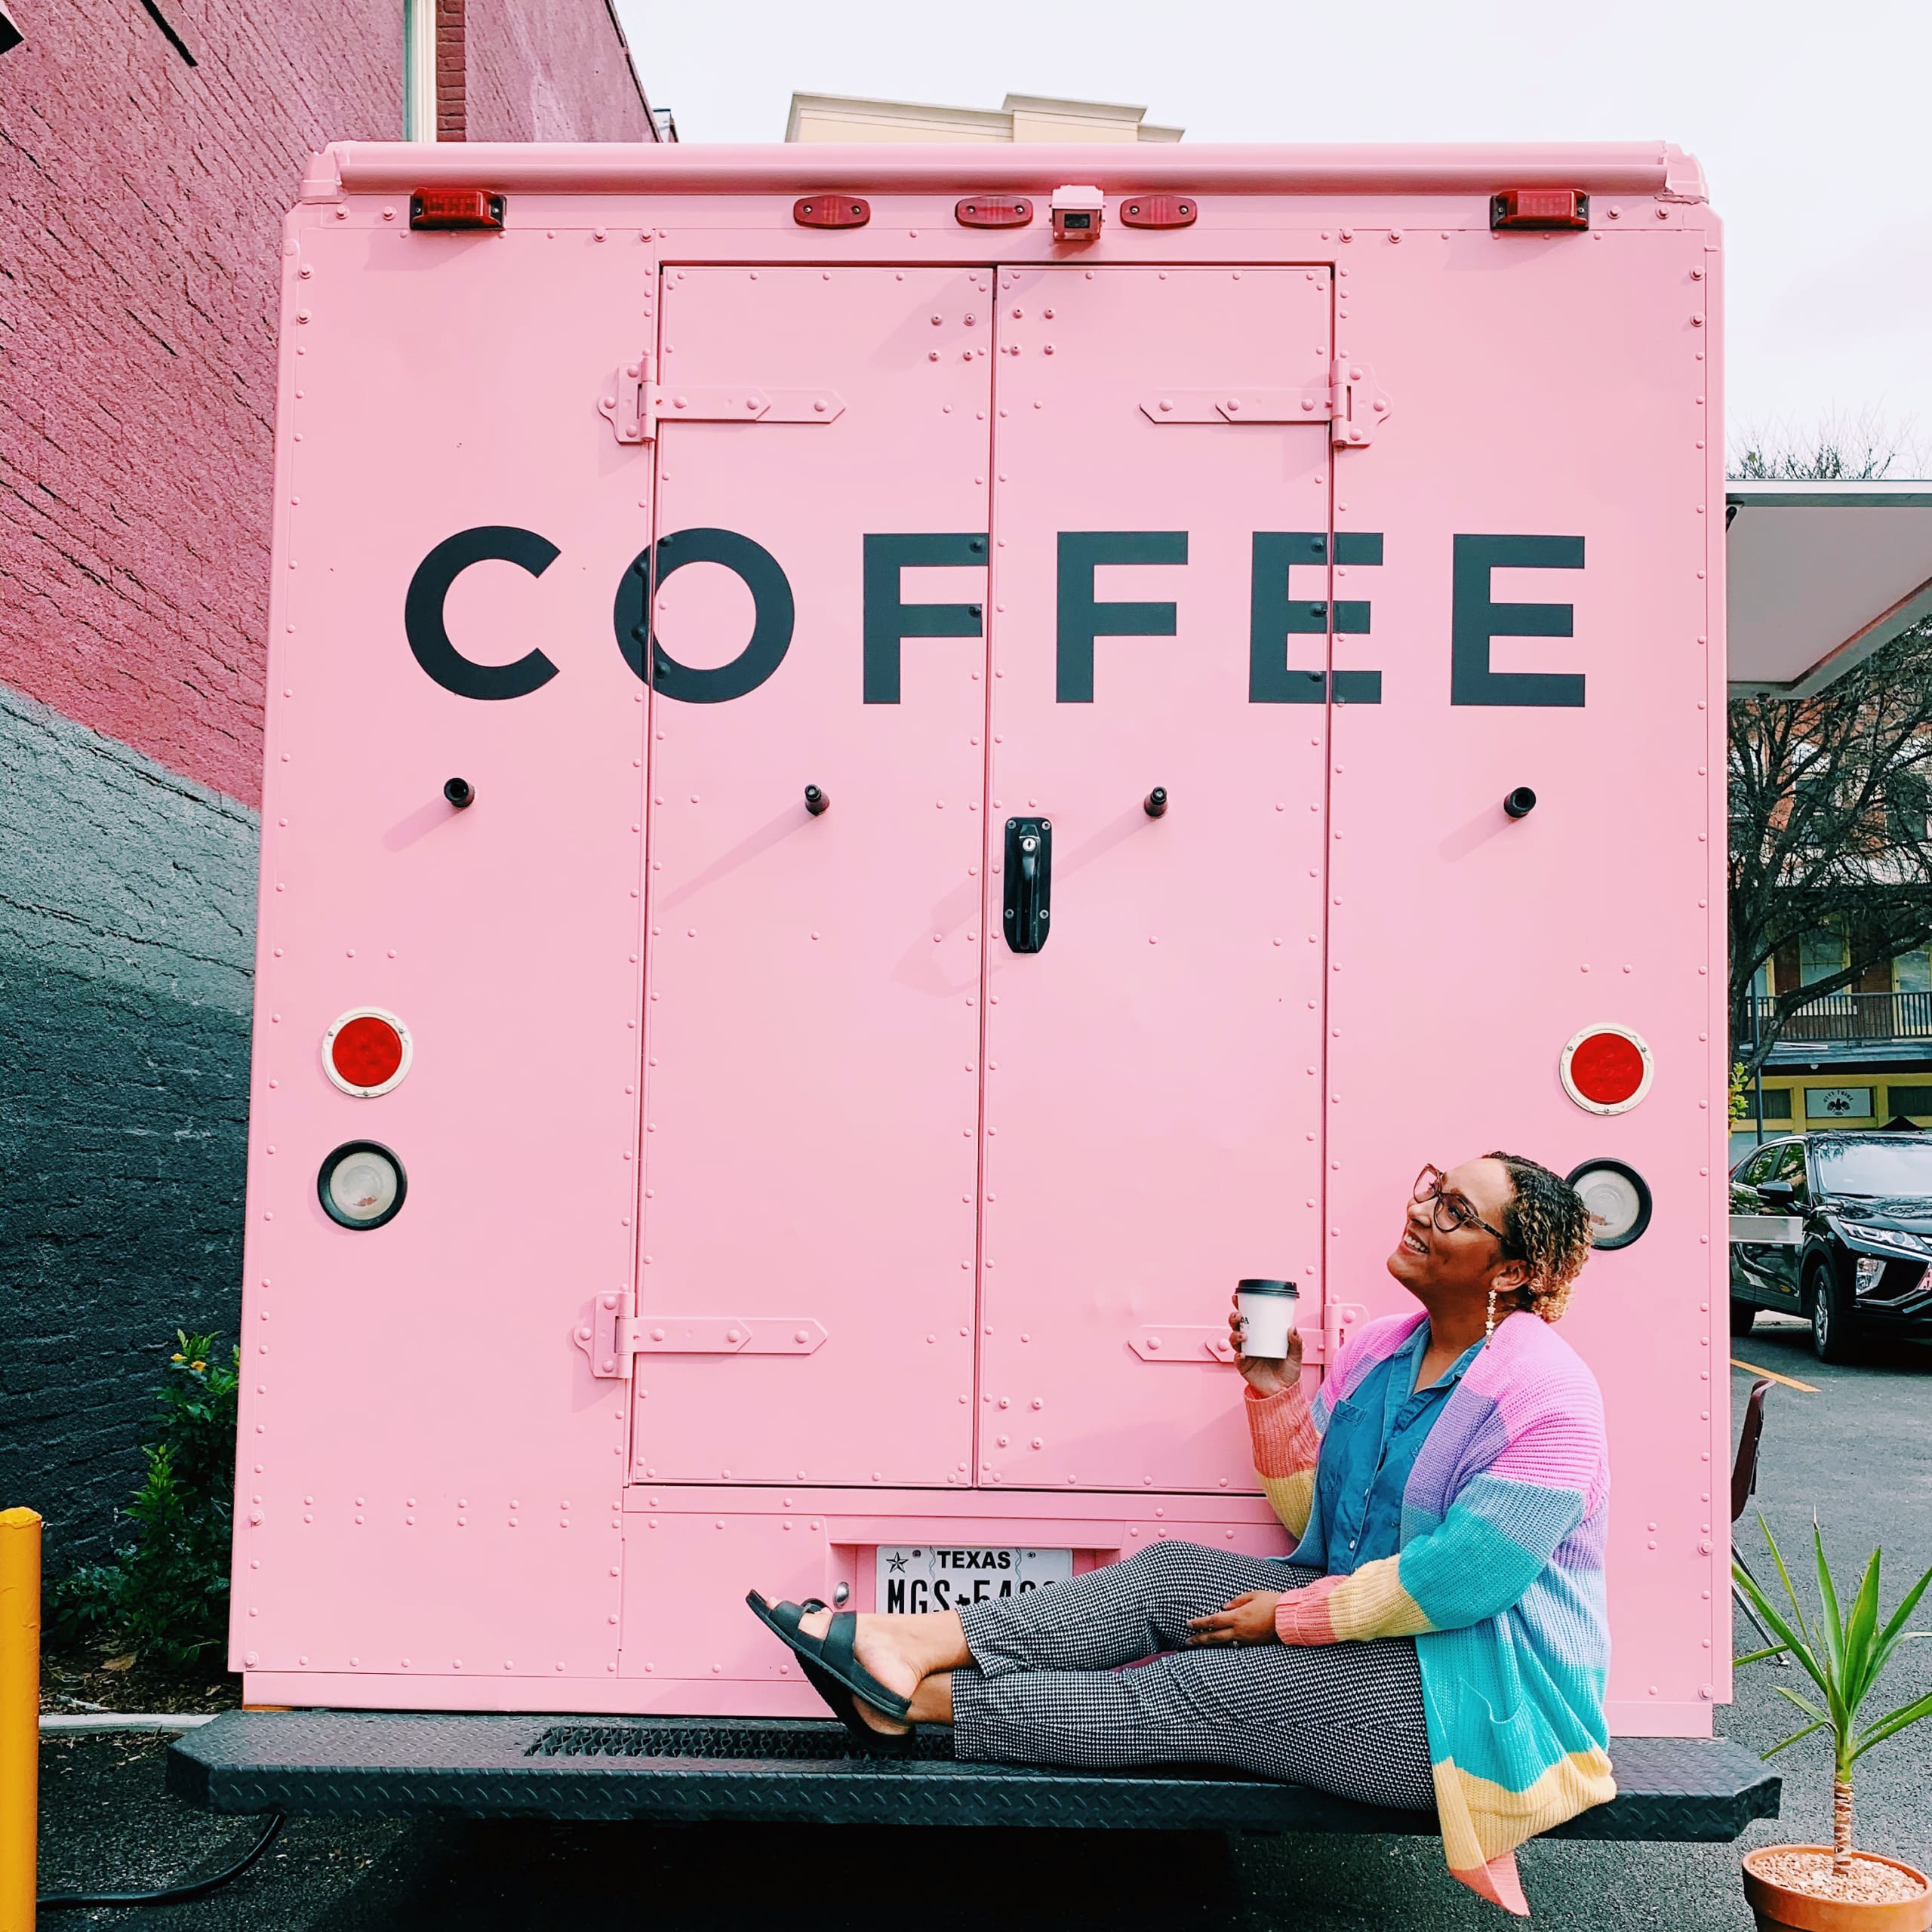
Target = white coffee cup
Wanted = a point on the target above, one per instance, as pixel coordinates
(1267, 1310)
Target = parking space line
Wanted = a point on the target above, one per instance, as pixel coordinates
(1790, 1382)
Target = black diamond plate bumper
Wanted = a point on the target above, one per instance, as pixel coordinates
(395, 1764)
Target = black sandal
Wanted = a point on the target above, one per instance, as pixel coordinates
(834, 1672)
(844, 1706)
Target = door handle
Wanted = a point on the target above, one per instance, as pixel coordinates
(1030, 882)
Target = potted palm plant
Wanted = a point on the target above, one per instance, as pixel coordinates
(1819, 1888)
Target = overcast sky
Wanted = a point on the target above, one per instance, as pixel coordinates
(1811, 122)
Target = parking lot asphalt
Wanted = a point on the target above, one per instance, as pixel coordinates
(1856, 1450)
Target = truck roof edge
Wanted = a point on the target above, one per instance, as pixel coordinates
(1654, 168)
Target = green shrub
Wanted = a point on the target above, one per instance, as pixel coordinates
(166, 1593)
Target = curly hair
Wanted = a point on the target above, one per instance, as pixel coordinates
(1547, 1225)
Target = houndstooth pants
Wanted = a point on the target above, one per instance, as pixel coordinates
(1345, 1717)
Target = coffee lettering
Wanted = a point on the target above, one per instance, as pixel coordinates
(430, 588)
(887, 620)
(1477, 618)
(773, 619)
(1276, 616)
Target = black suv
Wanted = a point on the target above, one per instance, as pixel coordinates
(1861, 1268)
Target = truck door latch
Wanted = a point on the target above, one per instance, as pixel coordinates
(1030, 882)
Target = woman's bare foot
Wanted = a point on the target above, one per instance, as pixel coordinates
(902, 1652)
(932, 1703)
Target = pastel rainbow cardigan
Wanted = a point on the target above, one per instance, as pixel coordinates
(1498, 1577)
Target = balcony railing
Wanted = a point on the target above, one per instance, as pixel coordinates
(1847, 1015)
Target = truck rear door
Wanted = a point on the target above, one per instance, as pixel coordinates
(812, 1092)
(913, 1215)
(1153, 1071)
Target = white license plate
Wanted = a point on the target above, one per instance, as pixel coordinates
(912, 1577)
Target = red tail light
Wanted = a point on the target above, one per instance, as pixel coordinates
(456, 207)
(1606, 1069)
(366, 1052)
(1539, 208)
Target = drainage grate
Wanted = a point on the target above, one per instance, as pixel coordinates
(737, 1743)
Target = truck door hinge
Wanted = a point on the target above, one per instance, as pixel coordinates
(627, 403)
(1350, 402)
(612, 1339)
(1337, 1318)
(1356, 407)
(634, 405)
(745, 402)
(1177, 1342)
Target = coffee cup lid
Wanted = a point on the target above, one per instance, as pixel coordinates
(1267, 1288)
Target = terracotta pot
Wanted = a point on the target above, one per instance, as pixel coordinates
(1777, 1908)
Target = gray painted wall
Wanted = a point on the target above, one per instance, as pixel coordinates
(126, 958)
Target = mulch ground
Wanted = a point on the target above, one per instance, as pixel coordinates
(85, 1680)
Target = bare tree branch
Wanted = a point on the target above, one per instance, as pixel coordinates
(1830, 798)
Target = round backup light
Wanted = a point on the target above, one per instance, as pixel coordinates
(1618, 1199)
(1606, 1068)
(367, 1051)
(361, 1185)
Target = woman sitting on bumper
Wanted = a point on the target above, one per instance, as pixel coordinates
(1438, 1637)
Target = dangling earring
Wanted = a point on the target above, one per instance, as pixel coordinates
(1489, 1327)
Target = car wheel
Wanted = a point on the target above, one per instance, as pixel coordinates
(1742, 1316)
(1831, 1333)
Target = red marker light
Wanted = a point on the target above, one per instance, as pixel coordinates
(1606, 1068)
(1159, 211)
(831, 211)
(456, 207)
(366, 1052)
(993, 211)
(1539, 208)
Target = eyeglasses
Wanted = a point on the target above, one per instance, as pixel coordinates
(1451, 1210)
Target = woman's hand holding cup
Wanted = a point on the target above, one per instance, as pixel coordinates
(1265, 1375)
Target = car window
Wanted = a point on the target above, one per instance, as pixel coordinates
(1758, 1168)
(1791, 1167)
(1875, 1168)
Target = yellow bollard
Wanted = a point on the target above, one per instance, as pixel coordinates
(20, 1715)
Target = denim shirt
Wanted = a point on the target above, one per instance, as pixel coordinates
(1371, 1444)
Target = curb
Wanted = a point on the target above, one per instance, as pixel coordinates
(86, 1723)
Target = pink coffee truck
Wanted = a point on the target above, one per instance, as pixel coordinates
(886, 768)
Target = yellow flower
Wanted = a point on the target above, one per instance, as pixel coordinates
(197, 1366)
(177, 1358)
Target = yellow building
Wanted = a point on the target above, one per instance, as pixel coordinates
(1865, 1097)
(1857, 1057)
(1021, 117)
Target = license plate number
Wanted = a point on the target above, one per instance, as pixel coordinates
(913, 1577)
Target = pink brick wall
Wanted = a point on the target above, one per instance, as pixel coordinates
(141, 201)
(452, 71)
(139, 230)
(556, 72)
